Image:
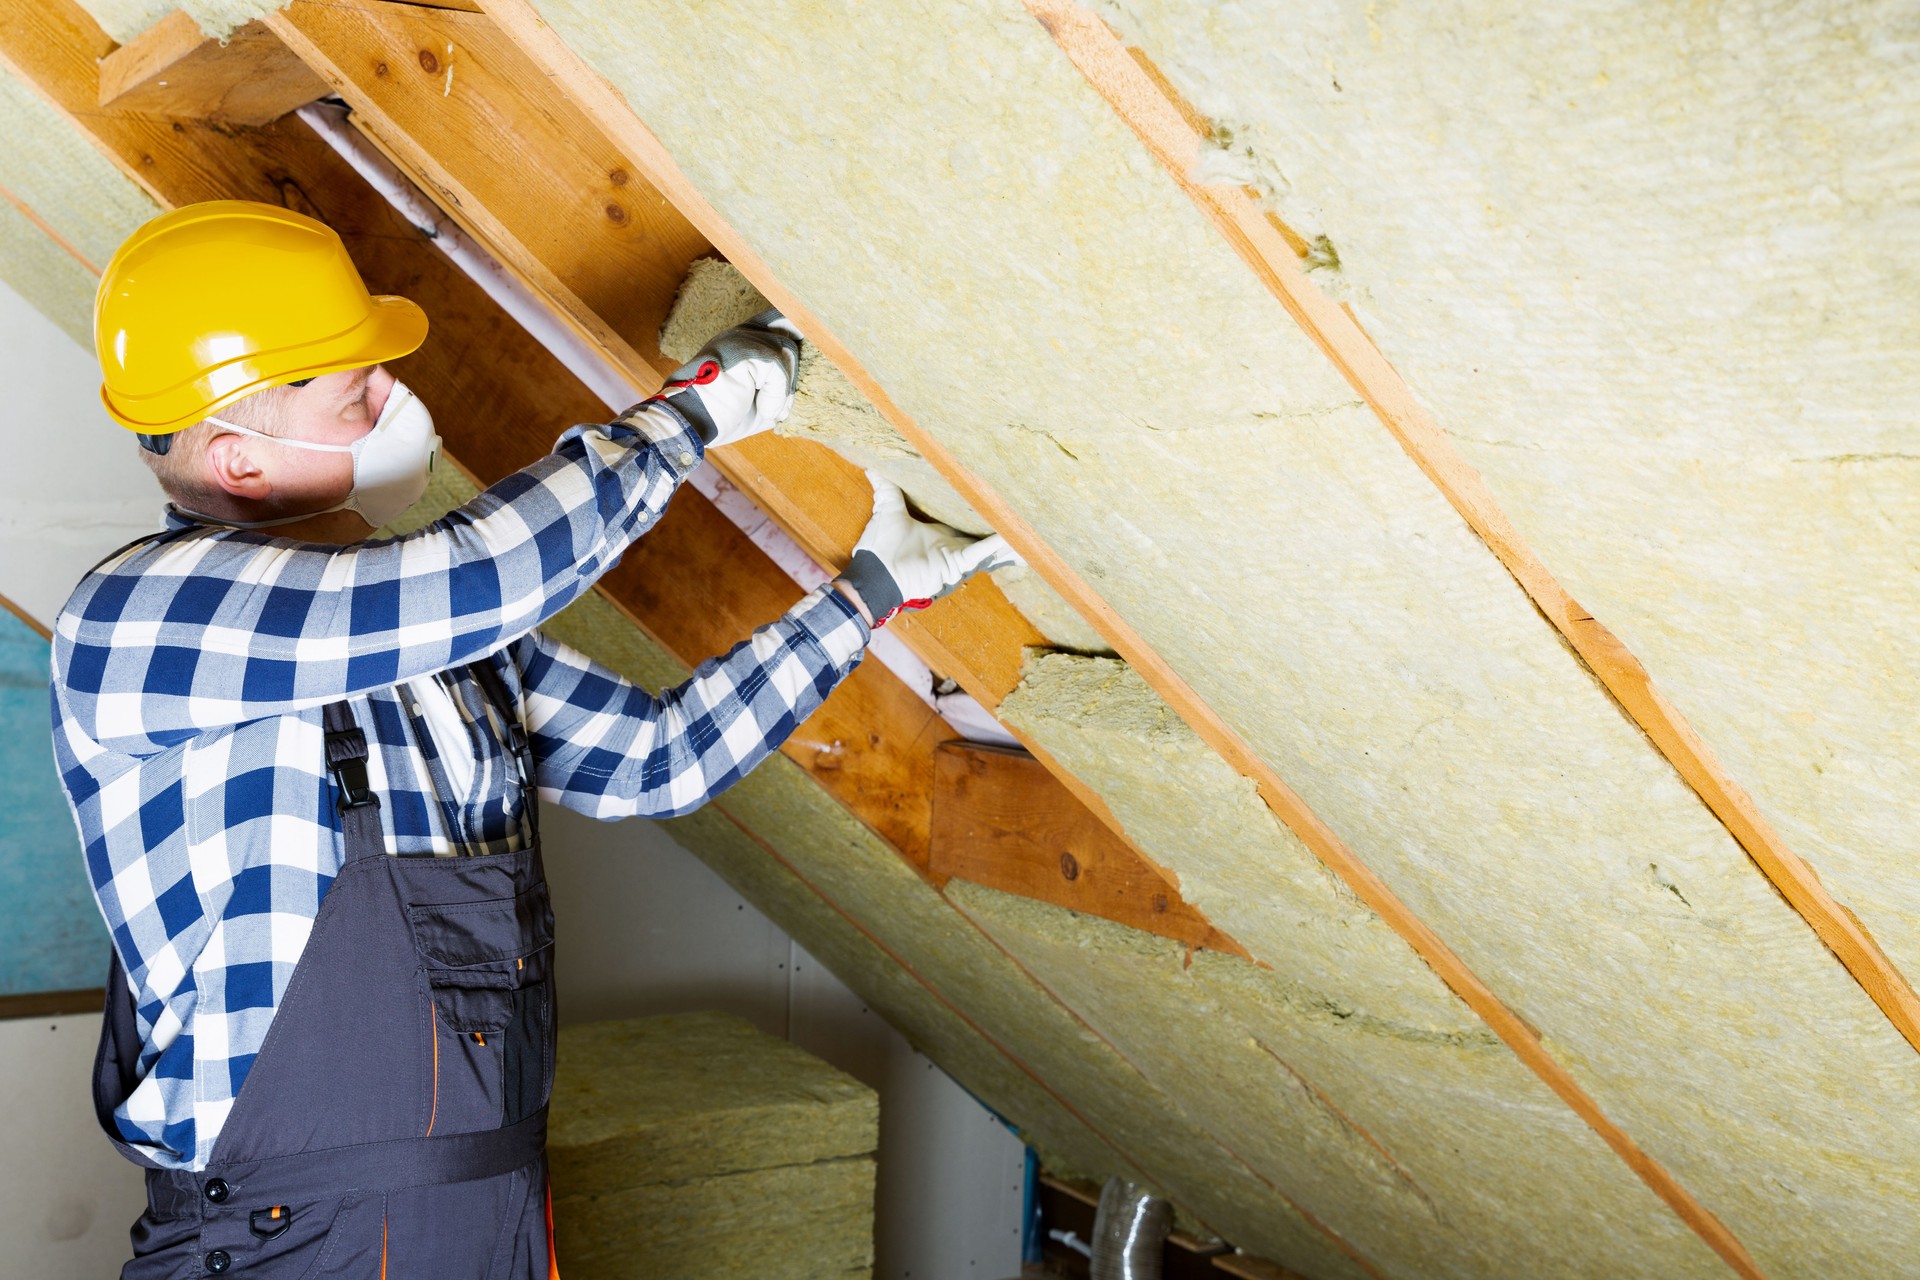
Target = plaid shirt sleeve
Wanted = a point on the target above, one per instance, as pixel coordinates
(609, 749)
(218, 626)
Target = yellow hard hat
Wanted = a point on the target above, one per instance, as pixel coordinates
(213, 302)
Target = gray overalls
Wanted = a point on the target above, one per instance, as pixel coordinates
(394, 1122)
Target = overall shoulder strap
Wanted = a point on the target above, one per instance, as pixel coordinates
(359, 808)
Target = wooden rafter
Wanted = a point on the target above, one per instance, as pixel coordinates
(173, 69)
(603, 104)
(1000, 819)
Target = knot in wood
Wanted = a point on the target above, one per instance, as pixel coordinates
(429, 63)
(616, 215)
(1069, 866)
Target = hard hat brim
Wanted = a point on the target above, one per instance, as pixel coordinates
(394, 327)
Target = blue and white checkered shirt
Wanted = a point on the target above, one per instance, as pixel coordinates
(189, 678)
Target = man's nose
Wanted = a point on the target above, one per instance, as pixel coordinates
(379, 387)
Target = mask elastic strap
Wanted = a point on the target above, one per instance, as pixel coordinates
(298, 444)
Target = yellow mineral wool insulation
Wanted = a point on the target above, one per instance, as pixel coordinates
(1658, 285)
(784, 1223)
(972, 220)
(50, 168)
(125, 19)
(694, 1145)
(691, 1095)
(830, 410)
(47, 276)
(1352, 1009)
(1433, 1158)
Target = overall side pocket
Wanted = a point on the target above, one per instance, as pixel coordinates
(487, 965)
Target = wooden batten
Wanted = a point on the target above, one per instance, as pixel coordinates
(174, 69)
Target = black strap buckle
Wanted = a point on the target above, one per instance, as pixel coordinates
(347, 760)
(269, 1223)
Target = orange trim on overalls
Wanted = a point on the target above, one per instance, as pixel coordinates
(433, 1024)
(383, 1248)
(553, 1261)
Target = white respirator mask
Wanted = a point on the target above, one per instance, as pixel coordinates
(391, 463)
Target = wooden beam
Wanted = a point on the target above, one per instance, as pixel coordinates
(1000, 819)
(495, 143)
(460, 109)
(604, 105)
(173, 69)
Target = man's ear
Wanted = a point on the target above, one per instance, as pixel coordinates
(233, 467)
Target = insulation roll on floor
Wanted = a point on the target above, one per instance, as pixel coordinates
(694, 1147)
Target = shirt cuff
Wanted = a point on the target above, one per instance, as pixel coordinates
(664, 427)
(835, 625)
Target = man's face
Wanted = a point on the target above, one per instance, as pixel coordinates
(335, 409)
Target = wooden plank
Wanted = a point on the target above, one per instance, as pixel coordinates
(494, 143)
(1000, 819)
(52, 1004)
(1131, 90)
(172, 69)
(469, 117)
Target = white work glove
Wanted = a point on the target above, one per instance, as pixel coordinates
(904, 563)
(741, 382)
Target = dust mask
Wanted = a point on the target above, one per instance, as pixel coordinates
(391, 463)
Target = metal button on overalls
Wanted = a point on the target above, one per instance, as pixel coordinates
(394, 1121)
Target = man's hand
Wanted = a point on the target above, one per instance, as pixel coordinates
(904, 563)
(741, 382)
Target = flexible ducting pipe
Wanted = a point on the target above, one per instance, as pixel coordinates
(1129, 1232)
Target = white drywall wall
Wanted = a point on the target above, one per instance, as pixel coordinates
(73, 487)
(66, 1197)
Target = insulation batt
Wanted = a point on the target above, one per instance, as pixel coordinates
(695, 1147)
(973, 221)
(74, 189)
(1434, 1159)
(1654, 269)
(1479, 1171)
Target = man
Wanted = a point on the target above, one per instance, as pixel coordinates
(304, 764)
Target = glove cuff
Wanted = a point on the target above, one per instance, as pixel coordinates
(867, 574)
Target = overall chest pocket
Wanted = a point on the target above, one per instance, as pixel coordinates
(488, 967)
